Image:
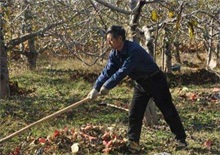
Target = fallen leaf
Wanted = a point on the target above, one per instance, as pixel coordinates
(106, 150)
(56, 133)
(216, 89)
(208, 143)
(16, 151)
(106, 136)
(91, 138)
(65, 130)
(109, 144)
(42, 141)
(194, 97)
(87, 127)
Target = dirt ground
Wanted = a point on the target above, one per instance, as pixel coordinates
(193, 77)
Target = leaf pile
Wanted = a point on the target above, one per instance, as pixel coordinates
(88, 139)
(205, 97)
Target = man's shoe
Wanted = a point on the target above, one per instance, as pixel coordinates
(133, 148)
(181, 144)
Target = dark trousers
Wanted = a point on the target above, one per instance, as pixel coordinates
(157, 88)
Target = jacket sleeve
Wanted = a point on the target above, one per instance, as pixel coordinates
(110, 68)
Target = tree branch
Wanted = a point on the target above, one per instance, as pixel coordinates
(98, 14)
(112, 7)
(12, 43)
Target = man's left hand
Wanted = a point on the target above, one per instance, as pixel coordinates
(103, 91)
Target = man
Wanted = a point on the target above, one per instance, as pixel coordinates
(130, 59)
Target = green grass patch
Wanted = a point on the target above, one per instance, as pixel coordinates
(54, 88)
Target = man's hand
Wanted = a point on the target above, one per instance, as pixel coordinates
(93, 93)
(103, 91)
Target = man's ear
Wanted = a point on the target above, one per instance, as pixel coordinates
(120, 38)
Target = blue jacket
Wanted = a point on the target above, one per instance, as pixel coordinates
(132, 61)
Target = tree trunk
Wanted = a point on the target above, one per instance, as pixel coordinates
(218, 47)
(168, 57)
(4, 75)
(218, 43)
(135, 18)
(150, 116)
(155, 42)
(177, 52)
(149, 45)
(32, 53)
(212, 57)
(209, 49)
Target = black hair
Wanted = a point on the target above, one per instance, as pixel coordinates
(116, 31)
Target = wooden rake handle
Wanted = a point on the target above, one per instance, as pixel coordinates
(44, 119)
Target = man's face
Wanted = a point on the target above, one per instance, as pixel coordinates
(115, 43)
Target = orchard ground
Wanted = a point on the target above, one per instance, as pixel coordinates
(91, 129)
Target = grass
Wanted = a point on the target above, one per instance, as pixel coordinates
(52, 89)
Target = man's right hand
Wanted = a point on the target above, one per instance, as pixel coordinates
(93, 93)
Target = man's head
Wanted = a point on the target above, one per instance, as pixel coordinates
(116, 37)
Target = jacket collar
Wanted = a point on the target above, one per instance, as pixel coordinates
(124, 49)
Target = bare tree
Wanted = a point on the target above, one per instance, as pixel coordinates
(4, 75)
(9, 45)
